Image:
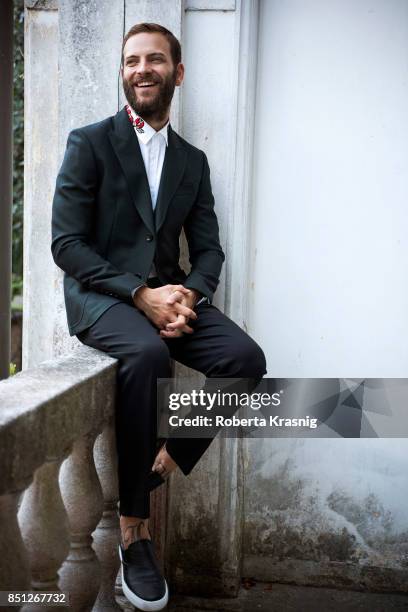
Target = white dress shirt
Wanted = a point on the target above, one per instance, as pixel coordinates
(153, 148)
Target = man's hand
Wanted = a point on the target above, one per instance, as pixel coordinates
(153, 302)
(180, 298)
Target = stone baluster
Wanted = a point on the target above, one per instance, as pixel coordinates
(107, 534)
(14, 563)
(82, 495)
(44, 527)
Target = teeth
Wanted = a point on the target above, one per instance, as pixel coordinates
(144, 84)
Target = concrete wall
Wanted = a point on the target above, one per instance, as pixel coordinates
(328, 256)
(327, 512)
(330, 188)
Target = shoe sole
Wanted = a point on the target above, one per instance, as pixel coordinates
(142, 604)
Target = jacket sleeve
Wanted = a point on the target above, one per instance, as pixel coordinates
(202, 234)
(73, 214)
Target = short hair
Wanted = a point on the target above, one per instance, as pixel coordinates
(175, 47)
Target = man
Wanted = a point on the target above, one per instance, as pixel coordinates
(126, 188)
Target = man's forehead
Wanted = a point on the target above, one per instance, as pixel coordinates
(146, 43)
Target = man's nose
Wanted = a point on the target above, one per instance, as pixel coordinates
(143, 66)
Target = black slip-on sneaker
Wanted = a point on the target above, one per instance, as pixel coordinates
(142, 581)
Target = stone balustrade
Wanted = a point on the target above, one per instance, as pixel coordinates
(58, 483)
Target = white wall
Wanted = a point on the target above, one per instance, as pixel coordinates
(328, 278)
(329, 254)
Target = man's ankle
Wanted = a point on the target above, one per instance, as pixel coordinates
(133, 529)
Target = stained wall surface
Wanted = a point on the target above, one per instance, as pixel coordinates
(328, 258)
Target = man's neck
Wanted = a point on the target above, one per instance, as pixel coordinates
(157, 123)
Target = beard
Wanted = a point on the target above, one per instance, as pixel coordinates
(157, 106)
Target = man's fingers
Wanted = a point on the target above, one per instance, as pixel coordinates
(178, 323)
(177, 328)
(171, 334)
(176, 288)
(177, 333)
(181, 288)
(176, 296)
(178, 293)
(184, 328)
(184, 310)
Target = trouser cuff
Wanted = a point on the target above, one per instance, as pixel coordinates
(136, 506)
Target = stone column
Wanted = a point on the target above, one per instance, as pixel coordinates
(71, 80)
(42, 298)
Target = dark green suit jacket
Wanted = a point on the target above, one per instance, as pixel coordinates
(105, 235)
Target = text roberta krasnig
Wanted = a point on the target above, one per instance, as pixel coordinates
(234, 421)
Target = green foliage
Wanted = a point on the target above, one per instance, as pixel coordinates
(18, 136)
(16, 287)
(13, 368)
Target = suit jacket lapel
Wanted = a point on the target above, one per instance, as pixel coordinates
(173, 169)
(127, 149)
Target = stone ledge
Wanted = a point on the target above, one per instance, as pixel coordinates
(43, 410)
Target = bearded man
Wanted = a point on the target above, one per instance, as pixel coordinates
(127, 187)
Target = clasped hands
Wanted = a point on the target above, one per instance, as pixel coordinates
(169, 308)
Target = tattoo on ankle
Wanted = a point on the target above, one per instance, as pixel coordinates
(134, 535)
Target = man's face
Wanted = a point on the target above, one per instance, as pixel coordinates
(149, 75)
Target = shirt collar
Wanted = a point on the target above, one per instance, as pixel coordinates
(144, 131)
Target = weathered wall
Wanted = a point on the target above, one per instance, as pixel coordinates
(327, 512)
(327, 258)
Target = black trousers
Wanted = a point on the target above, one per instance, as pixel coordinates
(217, 348)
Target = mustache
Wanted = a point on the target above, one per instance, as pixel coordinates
(146, 78)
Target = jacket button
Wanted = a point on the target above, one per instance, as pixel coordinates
(149, 237)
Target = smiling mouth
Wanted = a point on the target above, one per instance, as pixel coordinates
(145, 85)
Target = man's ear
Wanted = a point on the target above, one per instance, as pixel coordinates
(179, 74)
